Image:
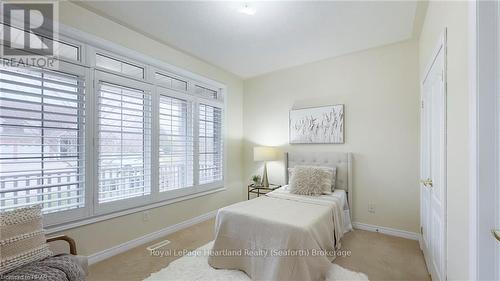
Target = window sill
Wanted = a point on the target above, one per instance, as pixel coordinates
(99, 218)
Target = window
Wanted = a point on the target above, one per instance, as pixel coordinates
(176, 144)
(205, 92)
(210, 144)
(171, 82)
(124, 142)
(97, 135)
(68, 51)
(63, 50)
(67, 145)
(119, 66)
(40, 111)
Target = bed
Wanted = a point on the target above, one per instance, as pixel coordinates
(282, 236)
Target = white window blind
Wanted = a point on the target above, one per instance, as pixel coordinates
(210, 144)
(206, 92)
(63, 50)
(85, 139)
(42, 132)
(171, 82)
(119, 66)
(124, 142)
(176, 144)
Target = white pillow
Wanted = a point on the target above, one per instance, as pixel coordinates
(334, 175)
(311, 180)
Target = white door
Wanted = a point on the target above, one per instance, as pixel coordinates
(433, 173)
(485, 140)
(496, 185)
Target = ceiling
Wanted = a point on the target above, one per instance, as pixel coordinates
(279, 35)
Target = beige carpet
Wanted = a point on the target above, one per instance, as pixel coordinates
(380, 256)
(195, 267)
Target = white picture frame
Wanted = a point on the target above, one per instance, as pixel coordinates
(323, 125)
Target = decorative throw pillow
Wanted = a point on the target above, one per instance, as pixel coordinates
(334, 176)
(22, 239)
(311, 180)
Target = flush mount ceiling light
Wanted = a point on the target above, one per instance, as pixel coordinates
(247, 9)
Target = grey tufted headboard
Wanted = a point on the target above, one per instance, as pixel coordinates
(341, 160)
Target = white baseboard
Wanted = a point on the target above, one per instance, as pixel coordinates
(387, 230)
(118, 249)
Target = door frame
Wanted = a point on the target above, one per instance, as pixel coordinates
(484, 19)
(440, 47)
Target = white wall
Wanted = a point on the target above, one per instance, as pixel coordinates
(379, 88)
(99, 236)
(453, 15)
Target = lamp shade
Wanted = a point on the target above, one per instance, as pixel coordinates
(265, 153)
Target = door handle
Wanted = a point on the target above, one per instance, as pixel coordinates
(496, 234)
(427, 182)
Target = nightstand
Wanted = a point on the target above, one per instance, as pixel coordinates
(260, 190)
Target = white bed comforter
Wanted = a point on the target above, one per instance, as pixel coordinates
(280, 236)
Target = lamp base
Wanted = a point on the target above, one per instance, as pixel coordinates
(265, 181)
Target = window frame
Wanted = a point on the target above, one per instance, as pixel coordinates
(172, 194)
(92, 53)
(71, 215)
(77, 213)
(221, 105)
(107, 207)
(88, 46)
(160, 83)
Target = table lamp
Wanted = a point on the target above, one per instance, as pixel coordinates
(265, 153)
